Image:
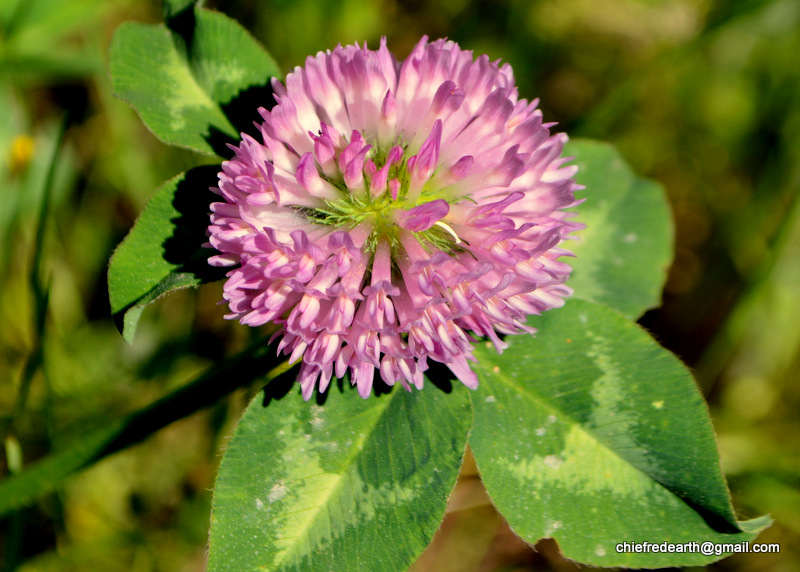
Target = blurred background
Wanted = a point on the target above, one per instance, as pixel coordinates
(702, 96)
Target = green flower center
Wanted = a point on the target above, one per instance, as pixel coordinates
(357, 206)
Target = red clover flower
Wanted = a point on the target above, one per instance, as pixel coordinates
(394, 213)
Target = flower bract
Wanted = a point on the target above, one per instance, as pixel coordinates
(392, 214)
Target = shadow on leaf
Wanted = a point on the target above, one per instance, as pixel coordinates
(182, 22)
(440, 376)
(219, 142)
(242, 110)
(192, 199)
(280, 387)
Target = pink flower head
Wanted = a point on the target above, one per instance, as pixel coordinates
(393, 214)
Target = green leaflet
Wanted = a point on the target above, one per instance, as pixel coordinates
(625, 251)
(197, 81)
(163, 251)
(352, 484)
(593, 434)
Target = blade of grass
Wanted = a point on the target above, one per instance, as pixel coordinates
(38, 283)
(238, 371)
(756, 295)
(33, 364)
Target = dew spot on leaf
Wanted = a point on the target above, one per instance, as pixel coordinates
(276, 493)
(552, 461)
